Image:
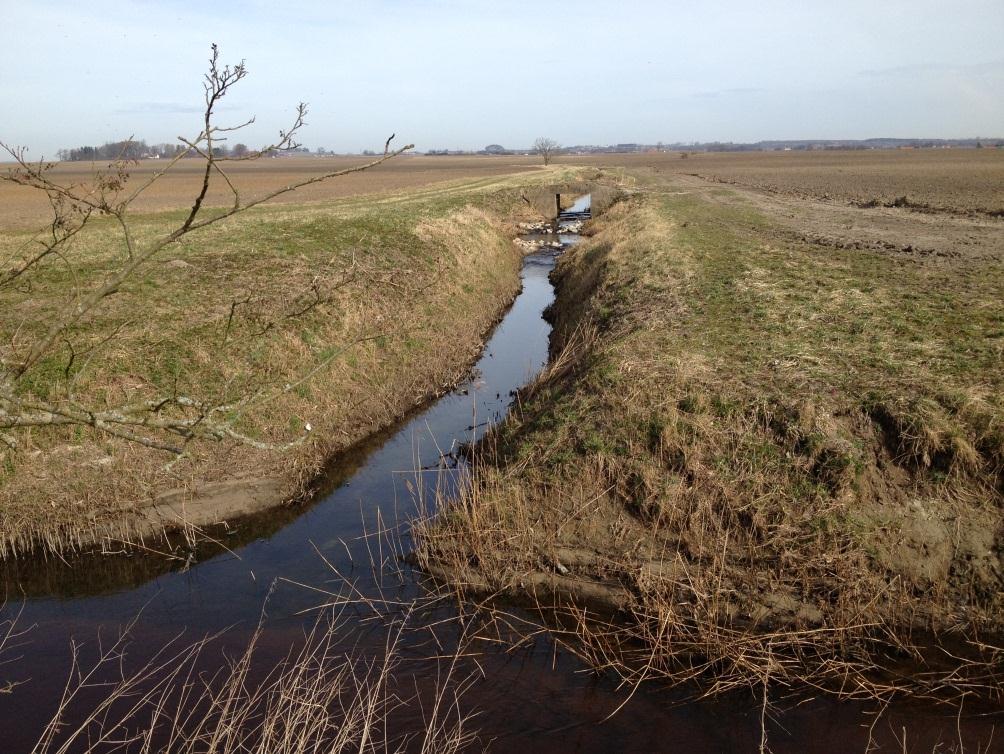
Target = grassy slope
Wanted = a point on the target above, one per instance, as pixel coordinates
(429, 271)
(748, 433)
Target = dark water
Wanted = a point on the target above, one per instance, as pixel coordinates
(536, 698)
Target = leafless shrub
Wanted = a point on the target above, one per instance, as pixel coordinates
(171, 421)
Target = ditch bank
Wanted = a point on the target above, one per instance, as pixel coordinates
(453, 262)
(746, 516)
(539, 695)
(266, 574)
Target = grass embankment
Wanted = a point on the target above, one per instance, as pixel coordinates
(253, 302)
(776, 457)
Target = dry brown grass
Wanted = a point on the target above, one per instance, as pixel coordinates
(410, 284)
(320, 698)
(779, 463)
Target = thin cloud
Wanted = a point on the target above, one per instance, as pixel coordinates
(166, 108)
(993, 66)
(728, 92)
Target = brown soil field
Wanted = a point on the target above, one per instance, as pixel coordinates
(957, 181)
(817, 206)
(24, 208)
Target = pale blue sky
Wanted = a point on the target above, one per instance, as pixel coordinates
(454, 74)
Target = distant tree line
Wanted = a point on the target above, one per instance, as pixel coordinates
(125, 150)
(139, 150)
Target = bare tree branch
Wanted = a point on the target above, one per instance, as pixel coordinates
(168, 422)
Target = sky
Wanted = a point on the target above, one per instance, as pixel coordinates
(449, 74)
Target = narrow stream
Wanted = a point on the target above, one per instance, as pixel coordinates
(534, 699)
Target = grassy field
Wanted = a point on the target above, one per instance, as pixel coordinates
(782, 456)
(244, 306)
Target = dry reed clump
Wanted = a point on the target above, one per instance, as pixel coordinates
(320, 698)
(928, 434)
(357, 297)
(764, 478)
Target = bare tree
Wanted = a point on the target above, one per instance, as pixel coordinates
(546, 148)
(170, 421)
